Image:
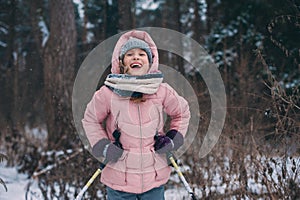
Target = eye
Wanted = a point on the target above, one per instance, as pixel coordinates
(142, 54)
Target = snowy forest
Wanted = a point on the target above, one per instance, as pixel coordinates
(254, 43)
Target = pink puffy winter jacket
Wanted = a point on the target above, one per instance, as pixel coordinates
(139, 169)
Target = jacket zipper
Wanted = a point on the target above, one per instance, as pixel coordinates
(141, 146)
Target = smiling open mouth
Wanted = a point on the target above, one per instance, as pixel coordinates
(135, 65)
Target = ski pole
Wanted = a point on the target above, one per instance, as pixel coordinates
(183, 180)
(89, 183)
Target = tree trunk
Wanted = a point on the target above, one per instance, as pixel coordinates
(125, 15)
(59, 65)
(197, 23)
(178, 27)
(112, 18)
(171, 19)
(10, 62)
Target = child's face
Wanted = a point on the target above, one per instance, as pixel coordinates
(136, 62)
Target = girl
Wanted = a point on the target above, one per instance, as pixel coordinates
(124, 121)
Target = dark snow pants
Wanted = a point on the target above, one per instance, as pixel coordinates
(155, 193)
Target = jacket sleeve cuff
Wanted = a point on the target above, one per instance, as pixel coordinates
(99, 147)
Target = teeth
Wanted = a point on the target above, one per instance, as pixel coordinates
(135, 65)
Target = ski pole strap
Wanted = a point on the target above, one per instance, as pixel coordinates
(183, 180)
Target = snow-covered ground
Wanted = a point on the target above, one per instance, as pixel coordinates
(18, 183)
(15, 182)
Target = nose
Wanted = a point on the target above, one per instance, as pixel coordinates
(136, 57)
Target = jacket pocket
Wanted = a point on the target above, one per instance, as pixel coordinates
(163, 174)
(162, 170)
